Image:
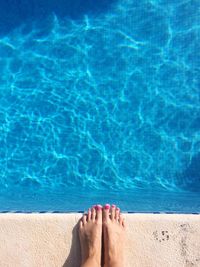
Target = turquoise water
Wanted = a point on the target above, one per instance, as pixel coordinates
(102, 99)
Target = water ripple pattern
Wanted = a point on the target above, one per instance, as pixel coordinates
(104, 101)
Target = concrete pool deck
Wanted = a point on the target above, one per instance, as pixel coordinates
(51, 240)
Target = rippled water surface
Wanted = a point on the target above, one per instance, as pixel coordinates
(100, 98)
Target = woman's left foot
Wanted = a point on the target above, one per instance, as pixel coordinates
(90, 233)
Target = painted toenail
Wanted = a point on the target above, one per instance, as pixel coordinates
(107, 206)
(113, 206)
(117, 209)
(99, 207)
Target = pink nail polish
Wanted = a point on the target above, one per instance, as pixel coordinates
(107, 206)
(113, 206)
(99, 207)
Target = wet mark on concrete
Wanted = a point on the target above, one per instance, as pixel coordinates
(161, 236)
(195, 263)
(186, 227)
(185, 230)
(183, 246)
(189, 263)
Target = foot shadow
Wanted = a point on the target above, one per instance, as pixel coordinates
(74, 258)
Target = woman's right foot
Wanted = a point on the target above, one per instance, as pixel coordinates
(114, 236)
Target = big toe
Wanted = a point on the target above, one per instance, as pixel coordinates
(99, 213)
(106, 211)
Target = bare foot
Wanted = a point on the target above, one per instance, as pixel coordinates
(90, 233)
(114, 236)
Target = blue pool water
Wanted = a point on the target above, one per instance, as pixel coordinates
(100, 102)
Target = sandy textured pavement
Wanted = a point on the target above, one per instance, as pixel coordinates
(50, 240)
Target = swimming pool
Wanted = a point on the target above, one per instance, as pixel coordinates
(100, 102)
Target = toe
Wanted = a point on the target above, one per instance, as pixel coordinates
(121, 219)
(81, 224)
(117, 213)
(93, 214)
(113, 210)
(89, 214)
(84, 219)
(99, 213)
(106, 211)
